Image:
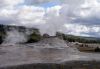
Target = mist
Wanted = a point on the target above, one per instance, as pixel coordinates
(14, 37)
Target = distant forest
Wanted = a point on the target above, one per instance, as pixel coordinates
(81, 39)
(36, 36)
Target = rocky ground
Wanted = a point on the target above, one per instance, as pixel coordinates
(49, 53)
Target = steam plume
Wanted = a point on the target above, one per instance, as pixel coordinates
(14, 37)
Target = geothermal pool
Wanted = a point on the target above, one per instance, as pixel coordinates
(49, 50)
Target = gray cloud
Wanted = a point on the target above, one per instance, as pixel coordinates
(70, 16)
(87, 21)
(7, 20)
(36, 2)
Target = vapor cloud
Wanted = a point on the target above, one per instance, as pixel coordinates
(14, 37)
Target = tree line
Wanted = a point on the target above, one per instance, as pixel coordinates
(33, 37)
(36, 36)
(72, 38)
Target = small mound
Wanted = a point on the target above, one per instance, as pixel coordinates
(54, 41)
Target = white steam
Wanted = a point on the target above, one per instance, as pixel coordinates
(14, 37)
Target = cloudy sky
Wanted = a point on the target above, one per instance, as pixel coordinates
(77, 17)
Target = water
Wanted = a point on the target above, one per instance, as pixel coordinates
(49, 50)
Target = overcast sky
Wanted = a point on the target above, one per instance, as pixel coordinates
(77, 17)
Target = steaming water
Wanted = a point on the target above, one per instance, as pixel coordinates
(48, 50)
